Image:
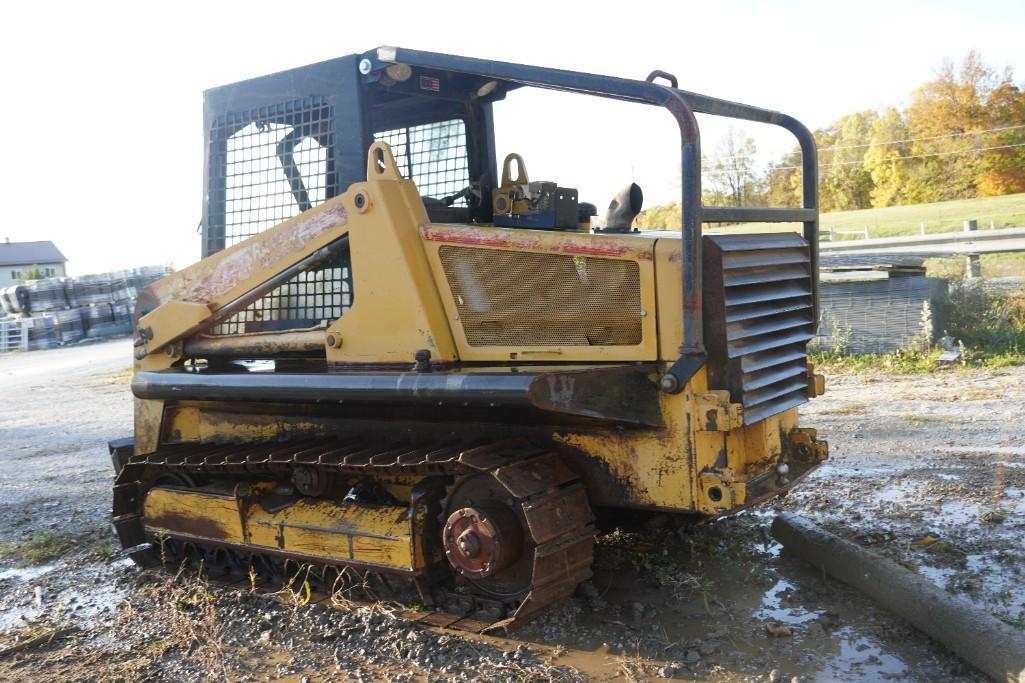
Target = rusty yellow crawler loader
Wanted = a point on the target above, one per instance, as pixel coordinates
(394, 361)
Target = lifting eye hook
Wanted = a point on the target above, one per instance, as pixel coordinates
(658, 73)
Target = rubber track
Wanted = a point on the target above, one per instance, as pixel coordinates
(554, 502)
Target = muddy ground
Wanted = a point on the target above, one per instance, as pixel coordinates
(929, 470)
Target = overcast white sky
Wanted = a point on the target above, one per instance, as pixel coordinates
(102, 102)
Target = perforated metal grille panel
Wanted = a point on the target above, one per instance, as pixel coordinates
(267, 165)
(511, 298)
(310, 298)
(433, 156)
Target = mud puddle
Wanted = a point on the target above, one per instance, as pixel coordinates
(59, 595)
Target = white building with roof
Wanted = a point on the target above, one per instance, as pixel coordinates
(17, 259)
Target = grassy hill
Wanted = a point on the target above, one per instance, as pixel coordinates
(1002, 212)
(894, 221)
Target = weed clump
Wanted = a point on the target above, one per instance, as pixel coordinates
(987, 322)
(39, 548)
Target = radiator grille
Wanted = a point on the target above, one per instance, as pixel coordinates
(758, 319)
(267, 165)
(511, 298)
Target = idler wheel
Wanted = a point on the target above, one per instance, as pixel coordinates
(485, 537)
(481, 541)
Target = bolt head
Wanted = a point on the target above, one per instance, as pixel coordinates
(365, 66)
(669, 383)
(782, 469)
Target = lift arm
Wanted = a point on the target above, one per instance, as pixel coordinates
(226, 282)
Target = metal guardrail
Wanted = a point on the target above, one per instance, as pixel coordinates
(827, 235)
(957, 243)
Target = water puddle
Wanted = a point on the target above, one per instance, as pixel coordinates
(861, 658)
(26, 573)
(74, 597)
(996, 450)
(774, 606)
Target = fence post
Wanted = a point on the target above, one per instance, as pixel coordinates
(921, 226)
(973, 267)
(971, 225)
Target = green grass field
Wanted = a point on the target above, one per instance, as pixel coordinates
(1002, 212)
(896, 221)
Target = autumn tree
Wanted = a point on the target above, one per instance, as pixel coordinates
(946, 118)
(1003, 168)
(844, 183)
(663, 217)
(783, 181)
(962, 135)
(886, 158)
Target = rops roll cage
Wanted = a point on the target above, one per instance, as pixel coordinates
(682, 105)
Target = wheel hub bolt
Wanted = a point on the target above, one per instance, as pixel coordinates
(468, 543)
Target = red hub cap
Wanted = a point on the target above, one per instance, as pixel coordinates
(480, 541)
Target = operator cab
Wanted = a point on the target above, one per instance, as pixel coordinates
(272, 157)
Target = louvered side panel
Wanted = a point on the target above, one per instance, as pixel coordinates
(758, 319)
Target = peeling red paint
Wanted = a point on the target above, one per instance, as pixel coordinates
(205, 282)
(477, 238)
(598, 249)
(569, 244)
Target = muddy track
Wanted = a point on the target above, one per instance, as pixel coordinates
(557, 550)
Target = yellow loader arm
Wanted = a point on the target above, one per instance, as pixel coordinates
(224, 283)
(179, 306)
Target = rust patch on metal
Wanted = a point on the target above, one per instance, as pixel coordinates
(548, 569)
(194, 525)
(472, 237)
(559, 243)
(610, 250)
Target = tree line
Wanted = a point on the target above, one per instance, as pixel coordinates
(962, 135)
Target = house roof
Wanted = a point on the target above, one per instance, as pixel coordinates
(29, 253)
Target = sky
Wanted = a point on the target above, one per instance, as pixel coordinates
(102, 101)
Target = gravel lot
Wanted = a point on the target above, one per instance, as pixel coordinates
(928, 470)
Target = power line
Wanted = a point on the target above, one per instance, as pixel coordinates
(921, 156)
(910, 156)
(934, 137)
(897, 142)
